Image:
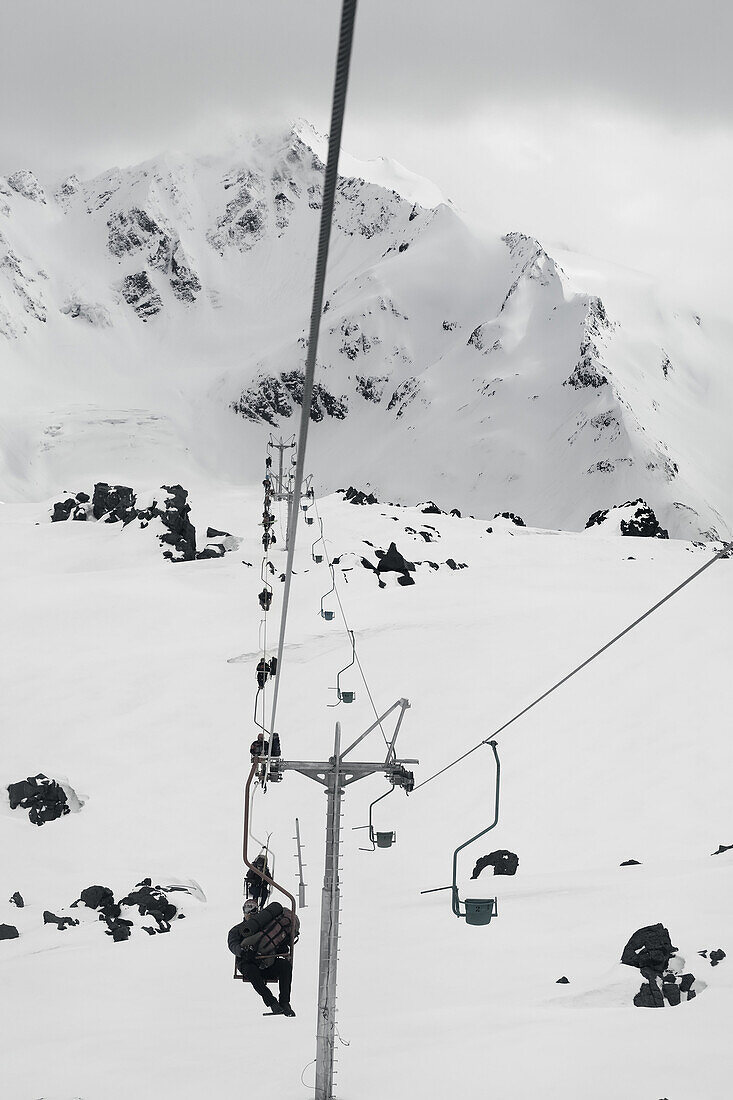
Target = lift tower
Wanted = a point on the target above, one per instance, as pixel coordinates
(335, 775)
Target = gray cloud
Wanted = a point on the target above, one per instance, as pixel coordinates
(606, 125)
(74, 73)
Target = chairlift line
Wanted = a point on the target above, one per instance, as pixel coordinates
(346, 35)
(724, 553)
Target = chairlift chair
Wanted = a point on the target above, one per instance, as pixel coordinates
(326, 614)
(317, 558)
(345, 696)
(476, 911)
(266, 878)
(378, 838)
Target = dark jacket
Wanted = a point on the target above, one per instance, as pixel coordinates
(244, 938)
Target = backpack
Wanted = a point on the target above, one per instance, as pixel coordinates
(275, 938)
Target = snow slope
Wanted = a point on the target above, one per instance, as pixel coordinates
(135, 679)
(155, 318)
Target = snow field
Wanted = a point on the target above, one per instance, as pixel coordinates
(116, 675)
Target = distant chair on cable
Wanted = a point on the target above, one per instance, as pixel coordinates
(345, 696)
(317, 558)
(378, 838)
(325, 612)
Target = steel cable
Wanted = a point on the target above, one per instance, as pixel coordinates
(721, 554)
(346, 35)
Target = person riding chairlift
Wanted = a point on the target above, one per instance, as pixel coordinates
(261, 747)
(258, 890)
(262, 950)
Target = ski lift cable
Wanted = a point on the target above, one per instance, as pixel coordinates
(724, 553)
(346, 35)
(349, 631)
(263, 622)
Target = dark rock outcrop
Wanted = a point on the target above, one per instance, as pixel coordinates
(25, 183)
(641, 523)
(516, 520)
(371, 387)
(116, 503)
(8, 932)
(139, 292)
(722, 848)
(392, 561)
(181, 534)
(503, 862)
(273, 397)
(42, 797)
(17, 900)
(630, 863)
(152, 901)
(358, 496)
(100, 898)
(62, 923)
(562, 981)
(650, 948)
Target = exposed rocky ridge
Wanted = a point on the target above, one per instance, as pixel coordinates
(634, 518)
(273, 397)
(458, 362)
(119, 504)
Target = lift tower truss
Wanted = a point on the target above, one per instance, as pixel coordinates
(335, 774)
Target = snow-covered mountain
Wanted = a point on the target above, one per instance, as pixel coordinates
(153, 321)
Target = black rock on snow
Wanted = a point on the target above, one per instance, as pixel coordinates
(516, 520)
(113, 502)
(138, 292)
(100, 898)
(358, 496)
(503, 862)
(649, 948)
(118, 504)
(667, 988)
(630, 863)
(722, 848)
(62, 923)
(392, 561)
(273, 397)
(8, 932)
(17, 900)
(42, 797)
(151, 901)
(25, 183)
(181, 534)
(639, 523)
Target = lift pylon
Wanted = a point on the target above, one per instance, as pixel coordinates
(335, 774)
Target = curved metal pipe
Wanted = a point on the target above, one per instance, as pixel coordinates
(257, 871)
(455, 900)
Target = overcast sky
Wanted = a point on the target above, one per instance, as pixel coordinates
(605, 126)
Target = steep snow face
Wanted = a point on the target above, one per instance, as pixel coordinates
(485, 373)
